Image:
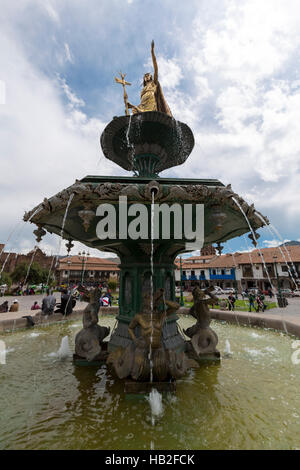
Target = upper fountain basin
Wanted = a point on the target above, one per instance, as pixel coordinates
(147, 143)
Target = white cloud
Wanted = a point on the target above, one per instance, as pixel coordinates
(69, 56)
(233, 76)
(246, 124)
(46, 4)
(44, 145)
(274, 243)
(170, 73)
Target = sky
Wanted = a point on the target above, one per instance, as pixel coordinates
(229, 69)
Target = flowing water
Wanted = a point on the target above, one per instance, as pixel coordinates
(22, 228)
(63, 227)
(151, 288)
(30, 264)
(250, 401)
(5, 261)
(286, 250)
(272, 232)
(263, 260)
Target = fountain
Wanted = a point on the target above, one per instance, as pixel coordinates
(147, 220)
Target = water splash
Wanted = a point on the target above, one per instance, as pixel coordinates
(227, 350)
(64, 351)
(156, 404)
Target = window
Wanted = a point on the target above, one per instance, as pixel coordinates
(214, 272)
(223, 272)
(202, 273)
(284, 269)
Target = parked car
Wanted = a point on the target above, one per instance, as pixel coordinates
(228, 290)
(287, 292)
(218, 290)
(296, 293)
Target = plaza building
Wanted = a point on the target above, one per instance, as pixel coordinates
(87, 270)
(257, 268)
(12, 260)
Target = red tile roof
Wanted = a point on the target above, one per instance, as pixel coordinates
(91, 263)
(230, 260)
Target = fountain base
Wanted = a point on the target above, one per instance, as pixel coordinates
(140, 388)
(99, 361)
(195, 360)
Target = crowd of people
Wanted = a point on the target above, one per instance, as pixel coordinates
(4, 307)
(257, 302)
(68, 301)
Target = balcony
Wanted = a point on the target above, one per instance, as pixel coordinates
(219, 276)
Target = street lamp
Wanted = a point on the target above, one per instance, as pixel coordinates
(83, 257)
(181, 288)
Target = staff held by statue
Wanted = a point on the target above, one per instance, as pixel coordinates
(124, 83)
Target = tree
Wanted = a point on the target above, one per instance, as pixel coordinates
(35, 275)
(5, 279)
(112, 284)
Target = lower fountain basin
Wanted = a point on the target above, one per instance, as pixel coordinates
(250, 401)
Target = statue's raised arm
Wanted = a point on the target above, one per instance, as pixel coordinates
(155, 67)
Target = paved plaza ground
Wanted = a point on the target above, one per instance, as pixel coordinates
(25, 303)
(289, 313)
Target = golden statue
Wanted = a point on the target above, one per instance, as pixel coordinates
(152, 98)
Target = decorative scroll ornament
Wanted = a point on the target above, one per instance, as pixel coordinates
(86, 215)
(219, 248)
(254, 238)
(69, 246)
(39, 232)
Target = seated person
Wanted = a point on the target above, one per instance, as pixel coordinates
(14, 307)
(67, 303)
(4, 307)
(35, 306)
(104, 301)
(48, 304)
